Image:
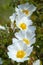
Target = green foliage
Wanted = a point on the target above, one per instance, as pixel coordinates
(7, 7)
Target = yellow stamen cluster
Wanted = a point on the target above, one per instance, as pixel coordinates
(26, 41)
(25, 11)
(23, 26)
(20, 54)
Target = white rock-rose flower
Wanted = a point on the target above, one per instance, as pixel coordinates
(25, 9)
(19, 52)
(23, 23)
(28, 38)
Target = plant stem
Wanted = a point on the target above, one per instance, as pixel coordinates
(18, 63)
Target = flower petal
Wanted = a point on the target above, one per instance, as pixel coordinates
(29, 50)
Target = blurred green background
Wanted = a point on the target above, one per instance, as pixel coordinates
(7, 8)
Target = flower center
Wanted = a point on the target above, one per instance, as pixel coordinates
(23, 26)
(25, 11)
(26, 41)
(20, 54)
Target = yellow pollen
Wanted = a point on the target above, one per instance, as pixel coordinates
(25, 11)
(23, 26)
(26, 41)
(20, 54)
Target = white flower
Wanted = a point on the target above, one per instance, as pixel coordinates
(37, 62)
(23, 23)
(25, 9)
(28, 38)
(2, 27)
(19, 52)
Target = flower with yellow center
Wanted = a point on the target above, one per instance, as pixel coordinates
(19, 51)
(23, 23)
(25, 9)
(27, 37)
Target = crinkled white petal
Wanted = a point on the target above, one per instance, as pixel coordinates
(14, 40)
(33, 41)
(13, 47)
(22, 60)
(22, 6)
(20, 35)
(29, 50)
(30, 35)
(12, 55)
(31, 29)
(23, 46)
(37, 62)
(18, 13)
(2, 27)
(28, 6)
(19, 45)
(32, 8)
